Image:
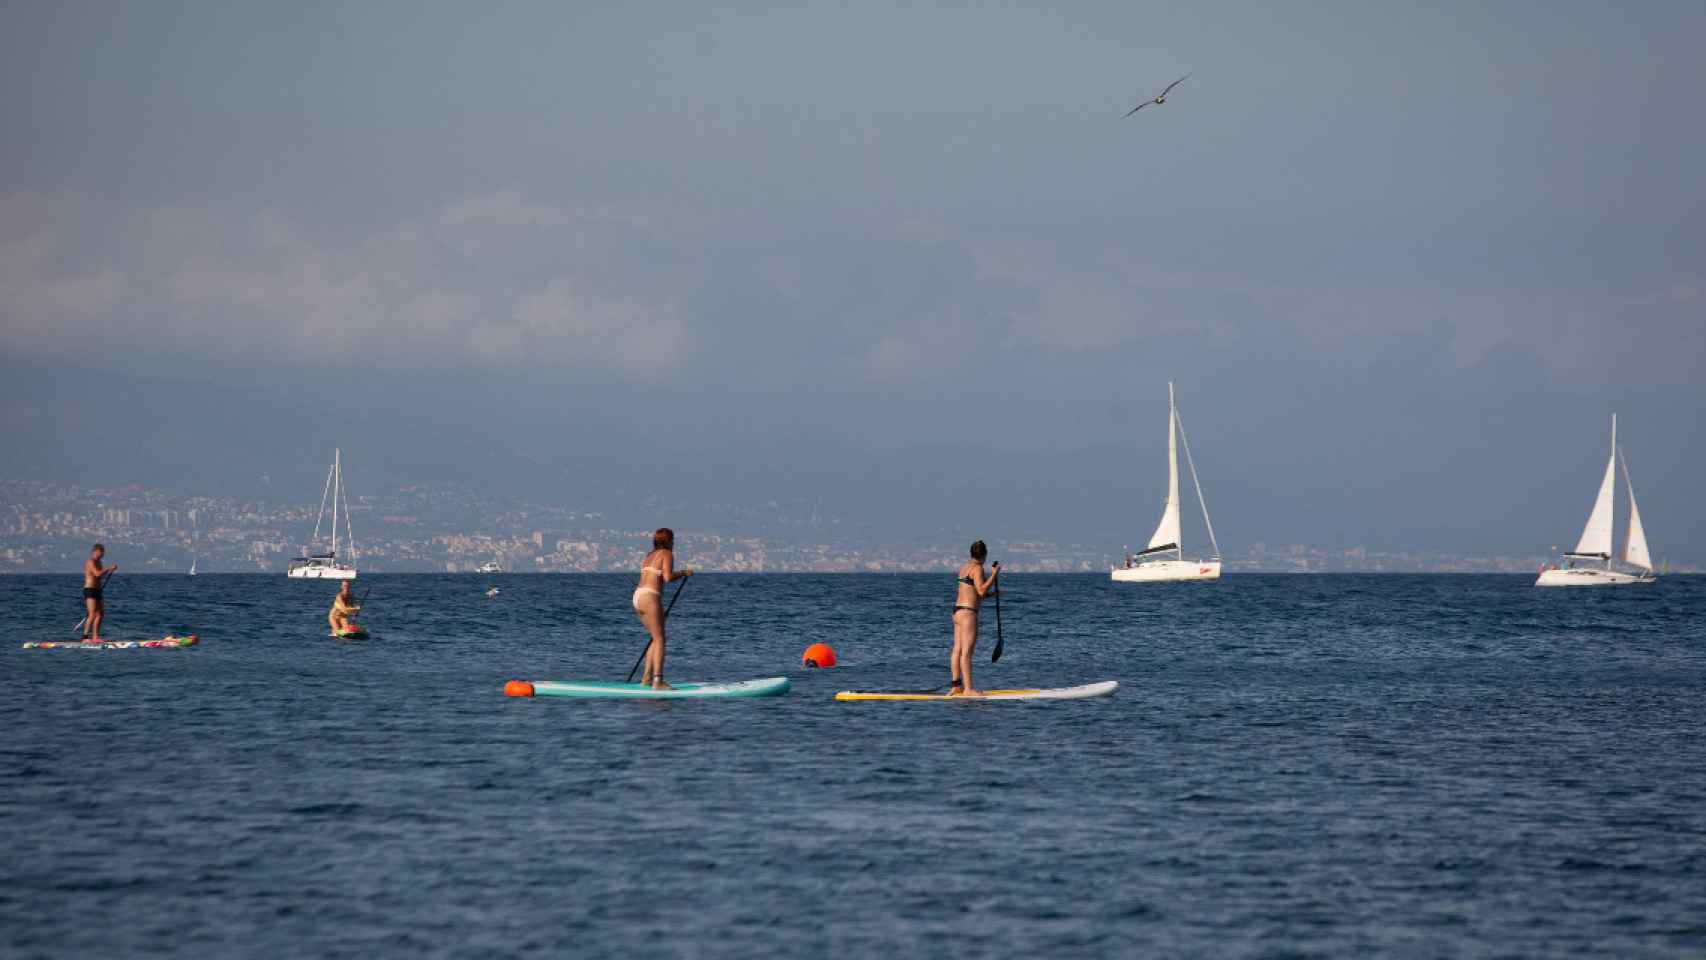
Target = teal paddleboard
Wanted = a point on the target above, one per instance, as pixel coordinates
(597, 689)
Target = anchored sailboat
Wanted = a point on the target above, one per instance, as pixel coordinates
(1590, 564)
(1164, 558)
(327, 566)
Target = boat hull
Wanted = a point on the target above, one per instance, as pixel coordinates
(1168, 571)
(320, 573)
(1589, 577)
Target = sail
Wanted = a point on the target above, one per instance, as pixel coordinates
(1635, 547)
(1596, 536)
(1167, 531)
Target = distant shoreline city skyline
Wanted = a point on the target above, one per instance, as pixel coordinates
(47, 528)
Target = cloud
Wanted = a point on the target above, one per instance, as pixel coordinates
(437, 289)
(505, 208)
(503, 280)
(637, 339)
(45, 286)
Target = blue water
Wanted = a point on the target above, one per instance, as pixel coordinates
(1322, 765)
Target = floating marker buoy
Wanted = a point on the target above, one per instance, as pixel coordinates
(819, 655)
(518, 688)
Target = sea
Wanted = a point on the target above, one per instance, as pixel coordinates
(1293, 766)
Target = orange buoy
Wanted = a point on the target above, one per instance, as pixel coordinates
(819, 655)
(518, 688)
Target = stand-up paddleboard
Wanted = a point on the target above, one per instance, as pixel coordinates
(351, 634)
(596, 689)
(165, 643)
(1104, 689)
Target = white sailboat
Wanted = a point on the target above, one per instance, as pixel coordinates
(1590, 564)
(192, 564)
(327, 566)
(1164, 558)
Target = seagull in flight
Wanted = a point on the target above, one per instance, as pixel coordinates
(1162, 98)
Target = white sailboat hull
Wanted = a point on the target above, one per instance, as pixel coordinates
(1589, 577)
(1164, 571)
(320, 573)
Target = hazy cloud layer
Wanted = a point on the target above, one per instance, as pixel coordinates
(501, 280)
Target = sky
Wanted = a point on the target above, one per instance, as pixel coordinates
(903, 262)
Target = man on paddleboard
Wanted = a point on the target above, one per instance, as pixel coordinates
(344, 609)
(94, 604)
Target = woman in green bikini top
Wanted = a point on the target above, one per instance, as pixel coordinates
(972, 587)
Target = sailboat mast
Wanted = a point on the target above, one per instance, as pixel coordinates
(1173, 465)
(337, 492)
(1611, 516)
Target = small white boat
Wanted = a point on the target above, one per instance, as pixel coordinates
(490, 566)
(327, 566)
(1164, 558)
(1591, 563)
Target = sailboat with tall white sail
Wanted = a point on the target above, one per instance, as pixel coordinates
(1164, 558)
(1591, 563)
(328, 566)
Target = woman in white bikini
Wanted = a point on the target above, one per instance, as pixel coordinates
(656, 570)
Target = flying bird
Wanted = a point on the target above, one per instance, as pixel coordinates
(1162, 98)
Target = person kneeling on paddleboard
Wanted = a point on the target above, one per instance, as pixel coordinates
(344, 609)
(972, 588)
(656, 570)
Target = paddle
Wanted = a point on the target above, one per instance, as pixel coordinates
(1000, 639)
(104, 578)
(648, 645)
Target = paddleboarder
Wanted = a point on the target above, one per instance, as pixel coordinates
(972, 587)
(94, 604)
(657, 569)
(344, 608)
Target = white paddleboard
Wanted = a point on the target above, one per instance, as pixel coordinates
(1086, 691)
